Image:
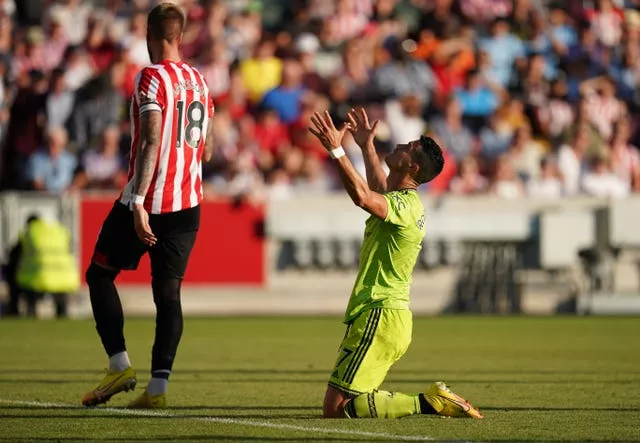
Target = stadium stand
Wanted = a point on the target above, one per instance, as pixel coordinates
(535, 102)
(534, 98)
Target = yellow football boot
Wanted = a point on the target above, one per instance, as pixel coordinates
(111, 384)
(148, 401)
(449, 404)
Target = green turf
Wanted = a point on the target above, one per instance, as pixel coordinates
(536, 379)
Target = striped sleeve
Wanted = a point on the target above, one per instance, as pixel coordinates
(149, 93)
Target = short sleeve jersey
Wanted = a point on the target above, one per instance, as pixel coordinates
(388, 255)
(180, 93)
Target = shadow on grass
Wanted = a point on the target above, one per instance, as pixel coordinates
(313, 371)
(116, 416)
(172, 408)
(526, 440)
(557, 409)
(223, 438)
(207, 438)
(451, 381)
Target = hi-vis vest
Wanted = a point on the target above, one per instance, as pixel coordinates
(46, 263)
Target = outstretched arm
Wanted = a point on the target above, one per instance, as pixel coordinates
(361, 194)
(364, 134)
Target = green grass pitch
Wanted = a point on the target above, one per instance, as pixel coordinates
(263, 379)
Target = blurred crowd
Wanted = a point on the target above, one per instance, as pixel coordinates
(527, 97)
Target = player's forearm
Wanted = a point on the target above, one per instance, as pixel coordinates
(209, 143)
(353, 182)
(145, 167)
(376, 177)
(147, 153)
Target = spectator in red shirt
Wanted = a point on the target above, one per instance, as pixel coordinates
(270, 132)
(124, 71)
(302, 138)
(24, 133)
(99, 47)
(236, 98)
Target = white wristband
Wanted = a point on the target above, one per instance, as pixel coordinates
(138, 199)
(337, 153)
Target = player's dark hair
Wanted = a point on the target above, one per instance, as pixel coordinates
(431, 161)
(33, 217)
(165, 22)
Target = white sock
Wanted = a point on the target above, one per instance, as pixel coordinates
(157, 386)
(119, 362)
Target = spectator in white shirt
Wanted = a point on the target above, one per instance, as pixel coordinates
(570, 159)
(78, 68)
(404, 119)
(470, 181)
(59, 100)
(625, 160)
(556, 115)
(136, 40)
(102, 168)
(506, 183)
(73, 16)
(603, 107)
(599, 181)
(525, 153)
(548, 185)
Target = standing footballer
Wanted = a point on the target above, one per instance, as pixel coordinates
(379, 323)
(158, 212)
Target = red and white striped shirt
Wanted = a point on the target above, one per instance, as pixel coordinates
(181, 93)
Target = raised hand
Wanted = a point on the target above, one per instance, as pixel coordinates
(363, 133)
(324, 129)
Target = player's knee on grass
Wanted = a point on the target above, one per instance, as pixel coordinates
(334, 403)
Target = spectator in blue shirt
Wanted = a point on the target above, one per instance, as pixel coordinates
(477, 98)
(452, 132)
(494, 142)
(563, 36)
(504, 48)
(627, 74)
(52, 168)
(402, 75)
(540, 43)
(286, 98)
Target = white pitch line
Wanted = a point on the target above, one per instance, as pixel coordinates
(232, 421)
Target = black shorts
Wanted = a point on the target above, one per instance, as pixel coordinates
(118, 245)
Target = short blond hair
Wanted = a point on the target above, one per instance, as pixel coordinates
(165, 22)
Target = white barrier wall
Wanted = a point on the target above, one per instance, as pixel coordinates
(322, 235)
(558, 228)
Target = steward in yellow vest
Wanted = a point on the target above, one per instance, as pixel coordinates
(47, 264)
